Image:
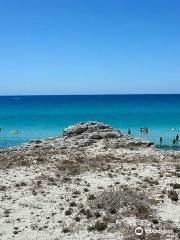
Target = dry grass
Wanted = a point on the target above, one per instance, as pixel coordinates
(9, 159)
(177, 168)
(173, 195)
(13, 158)
(77, 162)
(123, 201)
(4, 162)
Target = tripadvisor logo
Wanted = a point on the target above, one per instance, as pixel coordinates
(139, 231)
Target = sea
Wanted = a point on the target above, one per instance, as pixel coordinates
(25, 118)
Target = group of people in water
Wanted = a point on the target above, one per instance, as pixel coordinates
(175, 140)
(142, 130)
(145, 130)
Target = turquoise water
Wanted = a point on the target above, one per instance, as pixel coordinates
(46, 116)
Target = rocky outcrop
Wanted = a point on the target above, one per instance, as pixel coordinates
(91, 132)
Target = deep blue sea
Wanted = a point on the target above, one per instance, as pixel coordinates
(37, 117)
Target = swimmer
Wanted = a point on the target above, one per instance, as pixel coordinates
(17, 132)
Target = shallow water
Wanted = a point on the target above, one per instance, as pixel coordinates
(45, 116)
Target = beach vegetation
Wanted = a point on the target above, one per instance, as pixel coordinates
(173, 195)
(119, 201)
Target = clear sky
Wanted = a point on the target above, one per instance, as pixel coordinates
(89, 46)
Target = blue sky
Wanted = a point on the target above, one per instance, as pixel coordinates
(89, 46)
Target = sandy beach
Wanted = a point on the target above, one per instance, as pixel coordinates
(91, 183)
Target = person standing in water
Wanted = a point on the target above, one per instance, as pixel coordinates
(174, 141)
(146, 130)
(129, 131)
(177, 137)
(161, 140)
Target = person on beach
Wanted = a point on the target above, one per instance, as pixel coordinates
(129, 131)
(177, 137)
(161, 140)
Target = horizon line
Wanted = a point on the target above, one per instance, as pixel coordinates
(88, 94)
